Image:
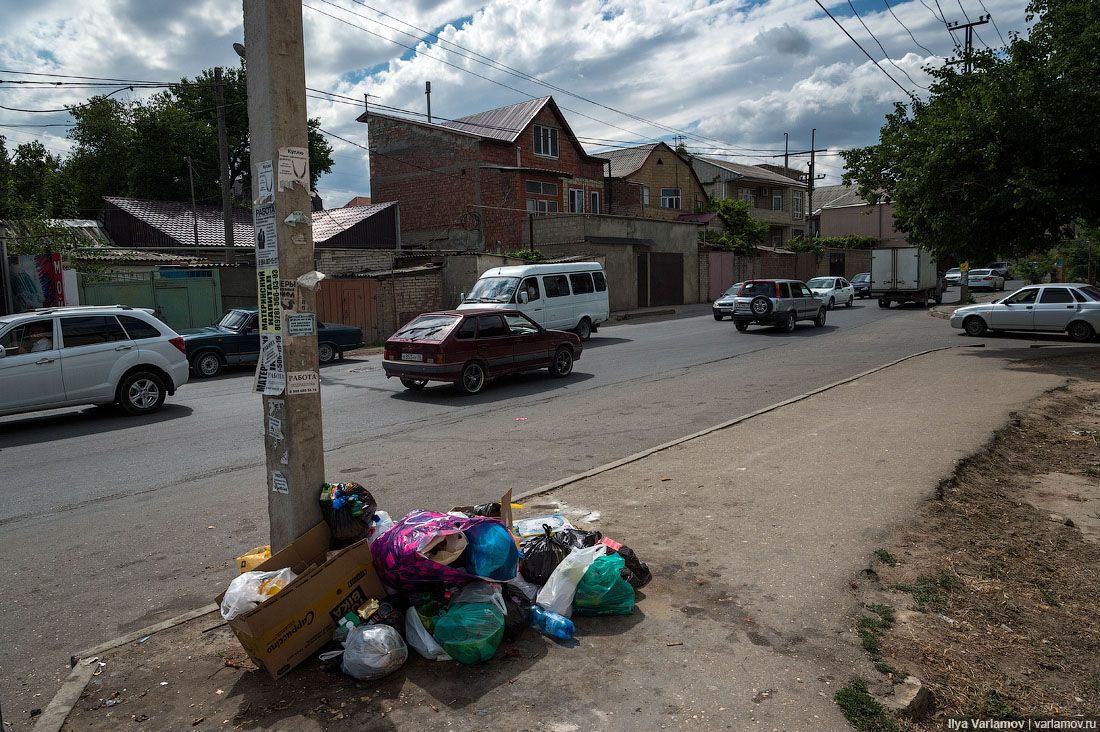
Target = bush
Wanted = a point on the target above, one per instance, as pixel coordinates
(531, 255)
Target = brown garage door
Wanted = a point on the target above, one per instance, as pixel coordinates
(666, 279)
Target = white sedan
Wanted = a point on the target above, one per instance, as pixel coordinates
(984, 279)
(833, 291)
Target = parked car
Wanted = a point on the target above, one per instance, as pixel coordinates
(984, 279)
(862, 284)
(1004, 269)
(723, 306)
(1072, 308)
(776, 302)
(70, 356)
(236, 340)
(470, 347)
(571, 296)
(833, 291)
(953, 277)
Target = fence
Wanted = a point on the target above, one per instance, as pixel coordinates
(181, 298)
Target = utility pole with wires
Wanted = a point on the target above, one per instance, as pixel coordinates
(287, 371)
(968, 43)
(194, 211)
(811, 178)
(223, 164)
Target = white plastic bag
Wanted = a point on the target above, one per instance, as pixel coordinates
(421, 640)
(248, 590)
(557, 594)
(486, 592)
(380, 524)
(373, 651)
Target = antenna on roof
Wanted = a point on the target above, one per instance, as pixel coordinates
(428, 94)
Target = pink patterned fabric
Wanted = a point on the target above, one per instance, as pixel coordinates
(397, 557)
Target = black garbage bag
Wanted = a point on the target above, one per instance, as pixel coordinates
(636, 572)
(348, 508)
(578, 539)
(518, 606)
(541, 555)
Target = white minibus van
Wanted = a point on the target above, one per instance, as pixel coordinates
(570, 296)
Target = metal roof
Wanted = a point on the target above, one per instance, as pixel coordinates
(754, 172)
(836, 196)
(502, 123)
(628, 160)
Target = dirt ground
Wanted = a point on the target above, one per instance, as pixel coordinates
(994, 587)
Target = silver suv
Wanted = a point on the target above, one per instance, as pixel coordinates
(69, 356)
(776, 302)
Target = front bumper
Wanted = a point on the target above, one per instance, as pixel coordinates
(415, 370)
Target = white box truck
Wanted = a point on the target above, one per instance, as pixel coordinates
(904, 274)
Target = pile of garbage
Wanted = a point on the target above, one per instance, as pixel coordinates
(452, 586)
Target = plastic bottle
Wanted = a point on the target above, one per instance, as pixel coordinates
(550, 623)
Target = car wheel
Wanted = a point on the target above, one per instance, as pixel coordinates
(563, 362)
(819, 321)
(761, 306)
(974, 326)
(832, 303)
(207, 364)
(851, 300)
(414, 384)
(789, 323)
(1081, 331)
(472, 379)
(741, 327)
(326, 353)
(584, 329)
(717, 316)
(883, 302)
(142, 392)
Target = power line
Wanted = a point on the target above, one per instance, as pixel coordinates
(883, 48)
(66, 109)
(1003, 41)
(85, 78)
(943, 19)
(976, 34)
(390, 157)
(903, 25)
(861, 48)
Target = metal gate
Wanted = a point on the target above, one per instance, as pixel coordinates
(721, 273)
(181, 298)
(660, 279)
(352, 301)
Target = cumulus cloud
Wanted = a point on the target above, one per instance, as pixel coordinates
(730, 75)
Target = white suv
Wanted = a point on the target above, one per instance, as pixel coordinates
(63, 357)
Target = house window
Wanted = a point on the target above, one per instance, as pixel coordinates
(670, 198)
(546, 141)
(541, 206)
(576, 200)
(777, 199)
(595, 202)
(777, 238)
(645, 195)
(746, 195)
(796, 233)
(796, 204)
(545, 189)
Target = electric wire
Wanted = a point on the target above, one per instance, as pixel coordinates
(883, 48)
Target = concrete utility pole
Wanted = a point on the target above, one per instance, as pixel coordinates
(967, 60)
(223, 164)
(194, 211)
(287, 372)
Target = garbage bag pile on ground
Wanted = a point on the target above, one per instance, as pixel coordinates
(458, 583)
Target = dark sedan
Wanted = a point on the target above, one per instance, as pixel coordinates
(862, 284)
(236, 340)
(469, 347)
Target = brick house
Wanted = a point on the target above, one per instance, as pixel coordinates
(472, 182)
(653, 182)
(840, 211)
(774, 198)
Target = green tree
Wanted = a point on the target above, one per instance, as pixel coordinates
(996, 162)
(742, 232)
(32, 185)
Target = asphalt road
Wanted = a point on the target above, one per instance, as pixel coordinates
(110, 523)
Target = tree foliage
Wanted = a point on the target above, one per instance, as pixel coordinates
(819, 244)
(741, 232)
(998, 162)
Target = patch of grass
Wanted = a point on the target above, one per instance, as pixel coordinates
(871, 629)
(886, 557)
(995, 706)
(886, 669)
(861, 710)
(1048, 597)
(930, 592)
(886, 612)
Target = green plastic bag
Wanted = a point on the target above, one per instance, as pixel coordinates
(470, 632)
(602, 590)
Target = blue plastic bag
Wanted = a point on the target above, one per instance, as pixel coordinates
(491, 552)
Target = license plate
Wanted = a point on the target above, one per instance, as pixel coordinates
(412, 357)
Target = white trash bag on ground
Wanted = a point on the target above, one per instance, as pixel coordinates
(373, 651)
(248, 590)
(557, 594)
(421, 640)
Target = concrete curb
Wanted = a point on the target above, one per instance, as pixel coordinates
(643, 314)
(84, 663)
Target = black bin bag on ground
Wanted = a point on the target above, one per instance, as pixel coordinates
(541, 555)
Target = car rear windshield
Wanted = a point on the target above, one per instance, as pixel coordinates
(821, 282)
(234, 320)
(1091, 292)
(759, 287)
(427, 328)
(979, 272)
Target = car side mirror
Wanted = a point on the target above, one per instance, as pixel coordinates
(522, 297)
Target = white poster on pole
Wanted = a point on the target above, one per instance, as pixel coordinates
(265, 182)
(267, 236)
(303, 382)
(293, 167)
(270, 377)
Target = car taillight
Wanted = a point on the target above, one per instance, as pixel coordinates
(439, 358)
(387, 355)
(777, 289)
(987, 278)
(178, 343)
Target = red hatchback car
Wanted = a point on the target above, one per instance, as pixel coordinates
(469, 347)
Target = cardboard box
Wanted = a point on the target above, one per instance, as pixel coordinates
(505, 509)
(293, 625)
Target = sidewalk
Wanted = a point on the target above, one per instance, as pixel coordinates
(754, 534)
(945, 311)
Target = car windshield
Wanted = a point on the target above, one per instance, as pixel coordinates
(733, 289)
(953, 270)
(1091, 292)
(427, 328)
(763, 287)
(492, 289)
(820, 283)
(861, 278)
(978, 272)
(234, 320)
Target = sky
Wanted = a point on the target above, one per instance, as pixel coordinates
(729, 77)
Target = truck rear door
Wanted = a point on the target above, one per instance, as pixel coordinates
(882, 270)
(907, 269)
